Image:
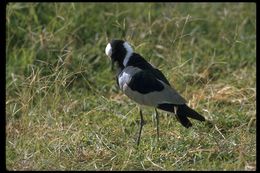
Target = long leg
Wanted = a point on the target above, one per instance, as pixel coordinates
(141, 127)
(157, 123)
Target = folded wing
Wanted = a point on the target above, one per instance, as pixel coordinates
(146, 89)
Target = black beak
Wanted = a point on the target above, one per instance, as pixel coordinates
(112, 64)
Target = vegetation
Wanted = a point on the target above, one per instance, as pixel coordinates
(64, 110)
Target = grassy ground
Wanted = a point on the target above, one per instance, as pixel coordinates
(65, 112)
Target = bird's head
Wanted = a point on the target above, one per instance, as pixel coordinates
(119, 51)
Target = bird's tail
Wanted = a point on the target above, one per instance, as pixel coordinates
(182, 112)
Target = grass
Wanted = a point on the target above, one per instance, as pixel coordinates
(64, 110)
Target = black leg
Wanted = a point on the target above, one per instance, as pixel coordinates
(157, 123)
(141, 127)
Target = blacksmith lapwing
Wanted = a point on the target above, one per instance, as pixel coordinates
(146, 85)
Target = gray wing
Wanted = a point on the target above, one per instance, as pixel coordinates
(146, 89)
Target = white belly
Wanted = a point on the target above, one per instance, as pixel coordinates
(126, 76)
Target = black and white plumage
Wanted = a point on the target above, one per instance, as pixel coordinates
(146, 85)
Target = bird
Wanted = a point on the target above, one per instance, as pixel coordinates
(146, 85)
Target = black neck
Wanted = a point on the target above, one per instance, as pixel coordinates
(137, 61)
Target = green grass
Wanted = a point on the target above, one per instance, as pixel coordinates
(64, 110)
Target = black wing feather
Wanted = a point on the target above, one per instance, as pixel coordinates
(144, 82)
(138, 61)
